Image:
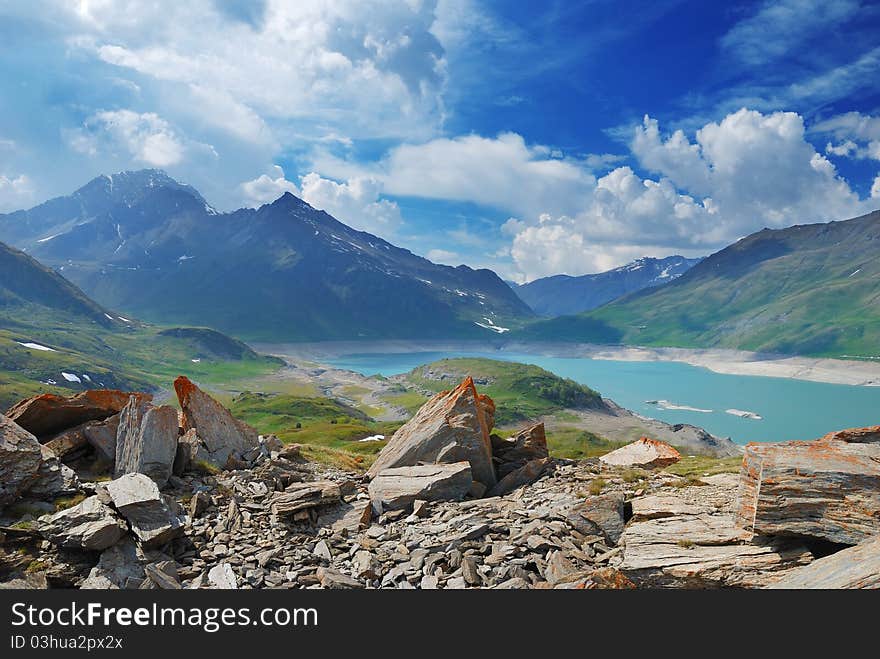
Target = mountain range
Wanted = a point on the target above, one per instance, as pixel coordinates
(143, 243)
(808, 289)
(562, 294)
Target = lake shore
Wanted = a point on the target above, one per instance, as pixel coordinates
(732, 362)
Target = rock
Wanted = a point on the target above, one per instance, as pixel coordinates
(514, 453)
(302, 496)
(28, 581)
(470, 572)
(146, 441)
(559, 568)
(199, 504)
(272, 443)
(222, 577)
(47, 414)
(119, 567)
(20, 460)
(101, 435)
(525, 475)
(88, 525)
(645, 453)
(690, 540)
(152, 517)
(855, 567)
(827, 488)
(350, 517)
(607, 578)
(54, 478)
(69, 443)
(335, 579)
(397, 488)
(322, 550)
(452, 427)
(291, 452)
(222, 435)
(365, 565)
(420, 508)
(602, 515)
(164, 575)
(190, 452)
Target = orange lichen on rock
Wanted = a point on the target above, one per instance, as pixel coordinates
(646, 453)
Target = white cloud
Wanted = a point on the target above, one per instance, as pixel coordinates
(265, 189)
(875, 188)
(371, 68)
(502, 172)
(355, 202)
(781, 25)
(748, 171)
(443, 256)
(859, 135)
(16, 192)
(145, 136)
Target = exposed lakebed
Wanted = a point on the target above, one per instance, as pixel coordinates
(725, 405)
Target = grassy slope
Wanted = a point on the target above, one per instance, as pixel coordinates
(811, 290)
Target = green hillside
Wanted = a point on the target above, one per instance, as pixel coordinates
(811, 290)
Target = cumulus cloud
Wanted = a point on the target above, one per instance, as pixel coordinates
(370, 67)
(15, 192)
(145, 136)
(355, 202)
(267, 188)
(858, 135)
(748, 171)
(443, 256)
(502, 172)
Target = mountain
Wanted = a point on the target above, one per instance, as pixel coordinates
(143, 243)
(562, 295)
(26, 284)
(809, 289)
(53, 337)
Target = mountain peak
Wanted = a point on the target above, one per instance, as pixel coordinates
(129, 185)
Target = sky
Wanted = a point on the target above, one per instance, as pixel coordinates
(530, 138)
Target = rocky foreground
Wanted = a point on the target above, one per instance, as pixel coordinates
(106, 490)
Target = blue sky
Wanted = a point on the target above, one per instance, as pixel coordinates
(532, 138)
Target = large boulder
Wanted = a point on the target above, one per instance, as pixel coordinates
(645, 453)
(397, 488)
(54, 478)
(524, 475)
(146, 441)
(154, 519)
(20, 460)
(452, 427)
(855, 567)
(599, 515)
(303, 496)
(101, 436)
(514, 452)
(222, 435)
(120, 566)
(47, 415)
(88, 525)
(827, 489)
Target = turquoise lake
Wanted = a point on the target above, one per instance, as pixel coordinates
(791, 409)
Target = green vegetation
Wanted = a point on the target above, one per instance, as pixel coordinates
(695, 466)
(596, 486)
(577, 444)
(520, 391)
(808, 290)
(328, 428)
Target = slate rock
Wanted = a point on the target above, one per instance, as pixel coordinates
(397, 488)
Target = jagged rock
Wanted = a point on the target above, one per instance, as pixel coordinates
(602, 514)
(88, 525)
(514, 453)
(645, 453)
(29, 581)
(47, 414)
(20, 460)
(335, 579)
(452, 427)
(524, 475)
(302, 496)
(272, 443)
(199, 504)
(54, 478)
(222, 435)
(146, 441)
(69, 443)
(119, 567)
(827, 488)
(350, 517)
(101, 435)
(153, 518)
(222, 577)
(855, 567)
(190, 452)
(397, 488)
(164, 575)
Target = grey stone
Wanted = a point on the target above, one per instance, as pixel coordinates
(20, 459)
(399, 487)
(146, 441)
(88, 525)
(153, 518)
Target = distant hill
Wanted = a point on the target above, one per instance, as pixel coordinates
(24, 282)
(561, 294)
(810, 289)
(152, 247)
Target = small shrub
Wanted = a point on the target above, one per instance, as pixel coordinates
(596, 486)
(687, 544)
(688, 481)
